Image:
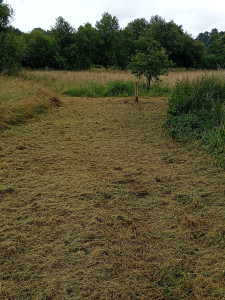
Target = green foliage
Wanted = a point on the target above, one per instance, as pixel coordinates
(6, 13)
(108, 28)
(169, 35)
(64, 35)
(92, 89)
(87, 41)
(108, 45)
(116, 88)
(41, 50)
(215, 49)
(11, 51)
(192, 52)
(152, 64)
(138, 27)
(10, 48)
(197, 111)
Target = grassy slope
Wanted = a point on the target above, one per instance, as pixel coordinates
(97, 203)
(22, 99)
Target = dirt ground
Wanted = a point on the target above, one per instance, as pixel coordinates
(98, 203)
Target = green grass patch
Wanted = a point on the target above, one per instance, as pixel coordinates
(197, 112)
(117, 88)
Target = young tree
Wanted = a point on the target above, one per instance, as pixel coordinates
(151, 64)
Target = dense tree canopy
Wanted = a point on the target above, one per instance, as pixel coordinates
(105, 44)
(108, 28)
(10, 48)
(6, 14)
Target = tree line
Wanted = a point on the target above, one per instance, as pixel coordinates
(104, 45)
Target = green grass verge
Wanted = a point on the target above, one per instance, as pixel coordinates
(197, 112)
(117, 88)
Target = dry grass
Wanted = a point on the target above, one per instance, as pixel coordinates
(97, 203)
(21, 99)
(176, 76)
(61, 81)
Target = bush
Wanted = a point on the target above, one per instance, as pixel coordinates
(10, 53)
(197, 111)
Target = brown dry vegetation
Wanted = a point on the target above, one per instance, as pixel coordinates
(97, 203)
(22, 99)
(61, 81)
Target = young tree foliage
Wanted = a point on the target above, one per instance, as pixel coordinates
(151, 64)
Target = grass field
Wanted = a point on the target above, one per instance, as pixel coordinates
(22, 99)
(97, 202)
(61, 81)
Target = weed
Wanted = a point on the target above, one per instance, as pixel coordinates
(197, 111)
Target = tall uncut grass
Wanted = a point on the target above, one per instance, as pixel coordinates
(62, 81)
(197, 112)
(116, 88)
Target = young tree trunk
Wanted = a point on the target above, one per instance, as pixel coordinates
(136, 91)
(149, 82)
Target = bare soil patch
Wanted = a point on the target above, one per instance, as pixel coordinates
(98, 203)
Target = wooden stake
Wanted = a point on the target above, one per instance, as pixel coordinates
(136, 91)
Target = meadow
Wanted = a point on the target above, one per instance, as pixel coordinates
(61, 81)
(99, 202)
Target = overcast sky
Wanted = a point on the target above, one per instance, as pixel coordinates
(194, 15)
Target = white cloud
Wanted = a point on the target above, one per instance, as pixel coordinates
(195, 15)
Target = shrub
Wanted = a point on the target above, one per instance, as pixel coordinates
(197, 111)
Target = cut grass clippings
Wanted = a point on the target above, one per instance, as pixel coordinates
(97, 203)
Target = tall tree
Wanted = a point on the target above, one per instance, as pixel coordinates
(87, 40)
(10, 49)
(108, 28)
(138, 27)
(125, 47)
(42, 50)
(192, 52)
(64, 35)
(6, 13)
(168, 34)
